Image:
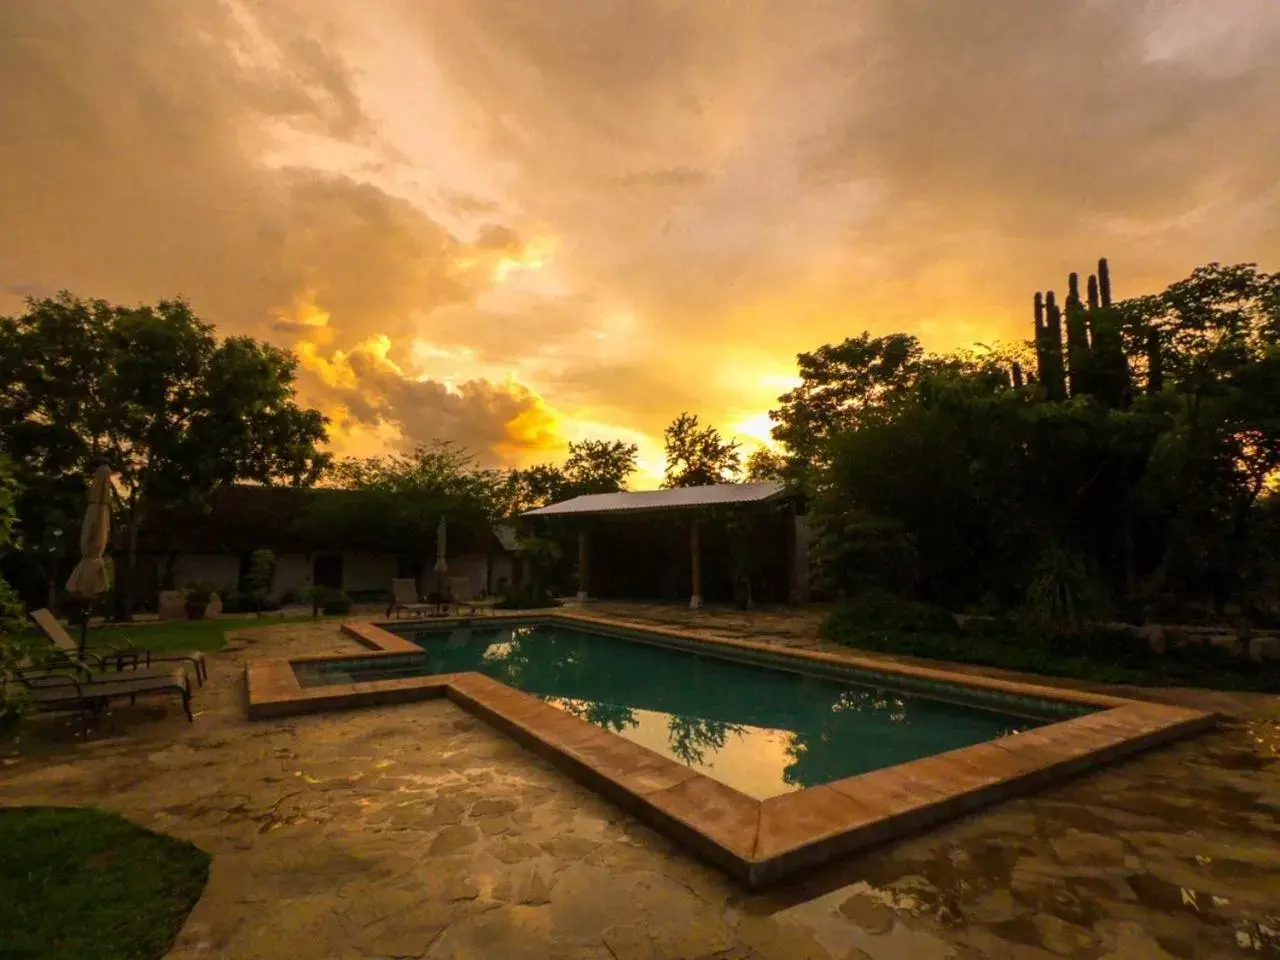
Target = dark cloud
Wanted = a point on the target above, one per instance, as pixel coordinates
(743, 180)
(476, 413)
(1000, 143)
(132, 168)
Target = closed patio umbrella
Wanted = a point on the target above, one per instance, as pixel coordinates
(441, 568)
(89, 579)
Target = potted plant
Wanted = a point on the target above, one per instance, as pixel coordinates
(198, 597)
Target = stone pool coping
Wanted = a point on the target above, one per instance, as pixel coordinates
(757, 841)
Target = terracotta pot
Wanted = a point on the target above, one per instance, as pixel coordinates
(196, 609)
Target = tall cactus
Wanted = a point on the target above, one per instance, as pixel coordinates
(1106, 325)
(1055, 371)
(1095, 362)
(1042, 361)
(1078, 358)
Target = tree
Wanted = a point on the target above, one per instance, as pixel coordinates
(593, 466)
(533, 487)
(151, 391)
(440, 469)
(1211, 338)
(13, 650)
(698, 456)
(844, 386)
(398, 499)
(764, 464)
(599, 466)
(1135, 461)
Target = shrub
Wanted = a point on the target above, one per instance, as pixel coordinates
(329, 601)
(877, 612)
(338, 604)
(236, 601)
(258, 580)
(527, 597)
(1102, 644)
(541, 558)
(857, 551)
(1061, 596)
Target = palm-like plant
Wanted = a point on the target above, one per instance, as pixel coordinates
(1061, 596)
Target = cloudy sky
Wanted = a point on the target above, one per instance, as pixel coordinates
(515, 223)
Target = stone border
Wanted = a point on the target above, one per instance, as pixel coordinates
(757, 841)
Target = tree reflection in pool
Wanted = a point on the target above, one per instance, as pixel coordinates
(762, 731)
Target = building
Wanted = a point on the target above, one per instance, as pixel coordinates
(729, 542)
(179, 547)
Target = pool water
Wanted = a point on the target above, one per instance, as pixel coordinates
(762, 731)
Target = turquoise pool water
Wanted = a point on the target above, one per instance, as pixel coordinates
(760, 730)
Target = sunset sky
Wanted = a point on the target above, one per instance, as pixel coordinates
(515, 223)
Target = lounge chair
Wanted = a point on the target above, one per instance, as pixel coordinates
(404, 596)
(96, 657)
(66, 691)
(461, 595)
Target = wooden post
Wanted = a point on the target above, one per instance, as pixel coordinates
(582, 565)
(695, 558)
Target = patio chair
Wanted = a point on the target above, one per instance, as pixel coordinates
(461, 595)
(66, 652)
(404, 596)
(66, 691)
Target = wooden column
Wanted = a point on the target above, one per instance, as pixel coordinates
(695, 560)
(582, 565)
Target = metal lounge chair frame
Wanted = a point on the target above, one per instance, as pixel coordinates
(404, 596)
(460, 595)
(66, 652)
(64, 691)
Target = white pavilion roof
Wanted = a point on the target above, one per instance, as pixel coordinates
(680, 498)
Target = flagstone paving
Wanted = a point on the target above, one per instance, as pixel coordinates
(418, 831)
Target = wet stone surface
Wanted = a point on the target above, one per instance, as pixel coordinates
(417, 831)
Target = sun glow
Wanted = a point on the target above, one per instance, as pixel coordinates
(537, 253)
(756, 429)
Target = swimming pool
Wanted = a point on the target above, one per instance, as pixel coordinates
(759, 729)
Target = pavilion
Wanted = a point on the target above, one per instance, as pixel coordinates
(722, 542)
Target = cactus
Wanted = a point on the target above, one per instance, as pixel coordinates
(1018, 380)
(1042, 361)
(1054, 377)
(1078, 357)
(1095, 362)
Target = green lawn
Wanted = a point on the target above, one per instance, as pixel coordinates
(207, 635)
(88, 884)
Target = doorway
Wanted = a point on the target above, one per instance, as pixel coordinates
(326, 572)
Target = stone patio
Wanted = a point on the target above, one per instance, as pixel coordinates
(418, 831)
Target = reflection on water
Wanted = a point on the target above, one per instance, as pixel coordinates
(764, 732)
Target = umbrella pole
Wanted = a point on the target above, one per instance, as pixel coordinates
(84, 630)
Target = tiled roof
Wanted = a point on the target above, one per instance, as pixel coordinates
(681, 498)
(243, 517)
